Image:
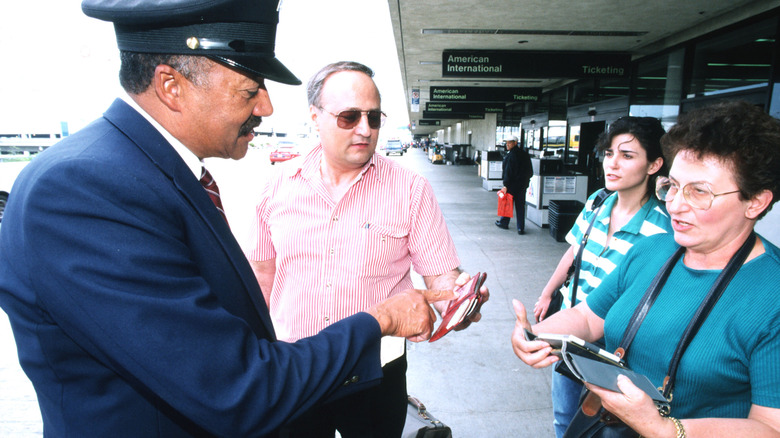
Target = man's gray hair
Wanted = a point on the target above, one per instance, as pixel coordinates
(137, 69)
(314, 88)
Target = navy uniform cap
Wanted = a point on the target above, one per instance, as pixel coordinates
(239, 33)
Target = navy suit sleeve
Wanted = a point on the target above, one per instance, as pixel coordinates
(120, 300)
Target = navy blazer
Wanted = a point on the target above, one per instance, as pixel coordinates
(134, 309)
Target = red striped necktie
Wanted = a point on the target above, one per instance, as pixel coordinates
(208, 183)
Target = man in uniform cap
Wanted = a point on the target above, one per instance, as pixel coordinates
(134, 310)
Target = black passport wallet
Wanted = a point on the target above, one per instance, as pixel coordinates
(605, 375)
(588, 363)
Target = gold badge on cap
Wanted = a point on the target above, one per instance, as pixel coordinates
(193, 43)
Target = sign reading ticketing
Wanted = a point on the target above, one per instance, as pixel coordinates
(484, 94)
(461, 107)
(447, 115)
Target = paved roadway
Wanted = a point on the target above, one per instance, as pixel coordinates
(470, 380)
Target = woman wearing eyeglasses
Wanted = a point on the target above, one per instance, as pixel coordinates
(724, 176)
(632, 161)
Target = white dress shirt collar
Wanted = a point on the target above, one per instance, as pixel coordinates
(190, 159)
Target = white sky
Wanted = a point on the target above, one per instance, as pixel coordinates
(60, 65)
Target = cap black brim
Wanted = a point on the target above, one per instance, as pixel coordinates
(266, 67)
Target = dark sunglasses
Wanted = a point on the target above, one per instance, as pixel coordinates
(467, 304)
(348, 119)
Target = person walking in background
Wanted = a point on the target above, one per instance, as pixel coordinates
(632, 161)
(517, 172)
(339, 233)
(134, 310)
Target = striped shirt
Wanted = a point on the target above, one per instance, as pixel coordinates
(598, 260)
(334, 259)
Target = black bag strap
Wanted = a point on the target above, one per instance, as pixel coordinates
(647, 300)
(725, 277)
(598, 202)
(720, 284)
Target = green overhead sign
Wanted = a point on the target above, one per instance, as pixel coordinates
(484, 94)
(532, 64)
(449, 115)
(460, 107)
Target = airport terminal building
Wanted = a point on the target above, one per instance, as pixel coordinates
(557, 76)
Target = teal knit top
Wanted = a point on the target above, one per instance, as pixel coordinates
(598, 259)
(734, 360)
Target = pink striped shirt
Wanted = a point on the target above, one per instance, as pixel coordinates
(334, 259)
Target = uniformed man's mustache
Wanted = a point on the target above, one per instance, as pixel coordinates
(250, 125)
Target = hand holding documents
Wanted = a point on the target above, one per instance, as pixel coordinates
(558, 342)
(590, 364)
(467, 304)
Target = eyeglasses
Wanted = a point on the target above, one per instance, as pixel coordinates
(697, 194)
(348, 119)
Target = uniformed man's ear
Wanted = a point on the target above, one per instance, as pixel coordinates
(167, 84)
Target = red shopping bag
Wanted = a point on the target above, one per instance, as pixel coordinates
(504, 204)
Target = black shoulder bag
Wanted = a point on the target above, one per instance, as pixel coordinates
(556, 301)
(592, 420)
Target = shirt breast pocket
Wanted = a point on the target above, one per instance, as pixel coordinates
(383, 247)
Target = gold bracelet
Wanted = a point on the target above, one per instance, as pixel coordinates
(679, 426)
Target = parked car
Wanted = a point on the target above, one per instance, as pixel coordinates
(394, 147)
(285, 150)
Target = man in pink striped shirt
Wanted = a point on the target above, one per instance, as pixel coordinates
(339, 233)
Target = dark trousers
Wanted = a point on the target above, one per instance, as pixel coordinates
(519, 200)
(378, 412)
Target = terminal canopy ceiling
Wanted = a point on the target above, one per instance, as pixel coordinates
(425, 30)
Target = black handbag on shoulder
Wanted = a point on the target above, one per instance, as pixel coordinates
(556, 301)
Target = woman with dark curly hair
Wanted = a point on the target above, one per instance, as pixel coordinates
(724, 176)
(632, 161)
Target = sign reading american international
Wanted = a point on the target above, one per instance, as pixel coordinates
(484, 94)
(532, 64)
(461, 107)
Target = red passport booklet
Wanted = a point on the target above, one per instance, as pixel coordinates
(465, 306)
